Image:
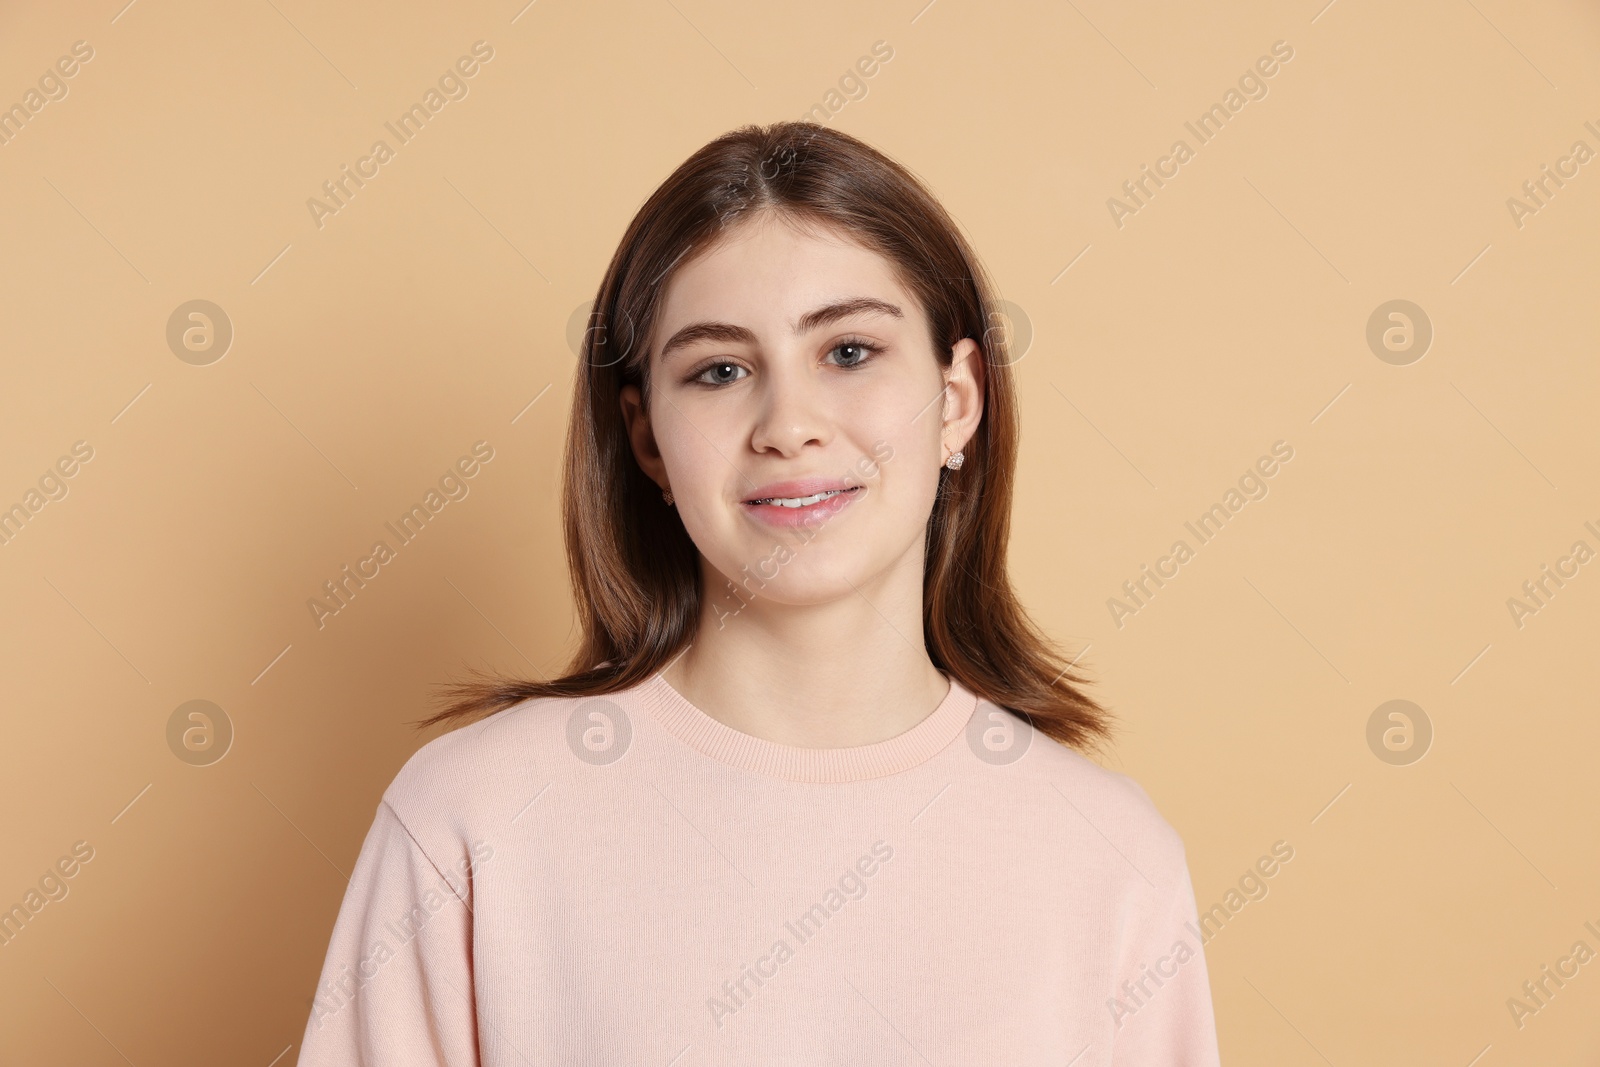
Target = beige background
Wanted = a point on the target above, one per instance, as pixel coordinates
(1228, 313)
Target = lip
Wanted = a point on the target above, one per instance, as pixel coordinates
(798, 487)
(821, 511)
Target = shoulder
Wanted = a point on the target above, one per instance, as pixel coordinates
(481, 773)
(1114, 806)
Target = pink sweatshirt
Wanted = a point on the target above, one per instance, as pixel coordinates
(626, 880)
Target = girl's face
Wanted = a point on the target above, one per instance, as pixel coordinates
(785, 365)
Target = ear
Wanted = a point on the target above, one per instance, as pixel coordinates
(963, 394)
(641, 437)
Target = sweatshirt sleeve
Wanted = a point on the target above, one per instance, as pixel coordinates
(396, 988)
(1162, 1001)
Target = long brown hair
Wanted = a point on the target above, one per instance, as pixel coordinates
(635, 572)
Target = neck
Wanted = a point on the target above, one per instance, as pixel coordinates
(841, 672)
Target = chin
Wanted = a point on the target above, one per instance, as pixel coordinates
(796, 575)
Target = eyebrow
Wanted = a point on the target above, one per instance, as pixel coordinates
(728, 333)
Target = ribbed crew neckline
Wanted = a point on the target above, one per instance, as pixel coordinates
(721, 742)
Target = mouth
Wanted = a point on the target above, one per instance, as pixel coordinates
(801, 501)
(808, 502)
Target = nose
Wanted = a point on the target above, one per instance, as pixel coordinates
(792, 411)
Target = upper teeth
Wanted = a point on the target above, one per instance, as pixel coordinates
(798, 501)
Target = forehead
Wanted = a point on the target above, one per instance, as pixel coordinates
(767, 272)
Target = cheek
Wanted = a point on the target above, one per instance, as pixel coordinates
(901, 432)
(692, 446)
(910, 484)
(899, 458)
